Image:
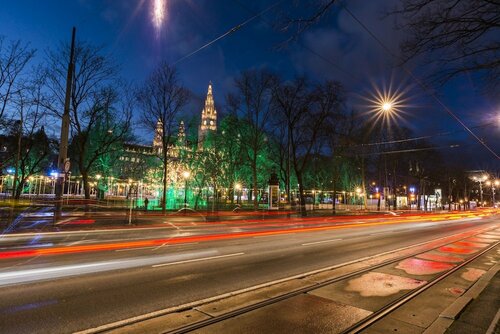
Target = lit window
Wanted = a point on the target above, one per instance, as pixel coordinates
(211, 122)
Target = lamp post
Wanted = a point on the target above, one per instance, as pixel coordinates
(237, 187)
(358, 193)
(493, 185)
(481, 180)
(186, 174)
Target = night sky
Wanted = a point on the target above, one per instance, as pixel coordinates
(125, 29)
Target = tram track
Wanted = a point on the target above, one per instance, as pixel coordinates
(364, 323)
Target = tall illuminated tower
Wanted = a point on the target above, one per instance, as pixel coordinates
(158, 138)
(208, 118)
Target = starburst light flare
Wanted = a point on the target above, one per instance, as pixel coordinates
(158, 11)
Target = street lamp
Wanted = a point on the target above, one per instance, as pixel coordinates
(480, 180)
(237, 187)
(493, 185)
(186, 174)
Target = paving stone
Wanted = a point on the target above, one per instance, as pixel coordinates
(252, 297)
(301, 314)
(163, 323)
(439, 326)
(484, 240)
(435, 256)
(477, 317)
(393, 270)
(369, 291)
(426, 308)
(391, 325)
(488, 236)
(456, 249)
(471, 244)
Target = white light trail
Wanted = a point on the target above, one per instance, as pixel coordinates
(11, 277)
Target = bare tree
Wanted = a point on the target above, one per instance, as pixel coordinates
(14, 57)
(252, 100)
(161, 99)
(459, 35)
(305, 112)
(311, 12)
(34, 147)
(99, 123)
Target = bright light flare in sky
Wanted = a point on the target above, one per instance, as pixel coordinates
(158, 11)
(388, 105)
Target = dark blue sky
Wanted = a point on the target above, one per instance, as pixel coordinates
(125, 29)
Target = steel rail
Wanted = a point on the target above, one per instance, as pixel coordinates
(352, 329)
(395, 304)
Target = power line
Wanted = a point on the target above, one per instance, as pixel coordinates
(424, 87)
(229, 32)
(425, 137)
(430, 148)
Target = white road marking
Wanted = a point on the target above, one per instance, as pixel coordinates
(173, 225)
(81, 242)
(320, 242)
(381, 232)
(195, 260)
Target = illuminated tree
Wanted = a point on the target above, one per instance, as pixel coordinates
(305, 111)
(252, 102)
(161, 99)
(99, 122)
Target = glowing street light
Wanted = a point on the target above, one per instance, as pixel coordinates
(237, 187)
(387, 106)
(481, 179)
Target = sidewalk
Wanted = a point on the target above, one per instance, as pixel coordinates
(482, 314)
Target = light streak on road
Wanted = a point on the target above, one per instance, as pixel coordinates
(320, 242)
(213, 237)
(38, 274)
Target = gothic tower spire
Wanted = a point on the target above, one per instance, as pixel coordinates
(208, 117)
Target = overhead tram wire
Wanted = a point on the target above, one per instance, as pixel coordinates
(430, 148)
(424, 87)
(397, 141)
(229, 32)
(358, 77)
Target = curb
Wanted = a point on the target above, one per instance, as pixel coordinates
(452, 312)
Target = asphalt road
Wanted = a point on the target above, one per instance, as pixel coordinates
(83, 289)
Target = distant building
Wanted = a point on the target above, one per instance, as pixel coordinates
(137, 157)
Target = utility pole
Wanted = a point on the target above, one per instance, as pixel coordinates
(62, 161)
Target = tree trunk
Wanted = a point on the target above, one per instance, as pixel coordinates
(334, 198)
(254, 179)
(19, 188)
(165, 175)
(164, 191)
(86, 187)
(301, 195)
